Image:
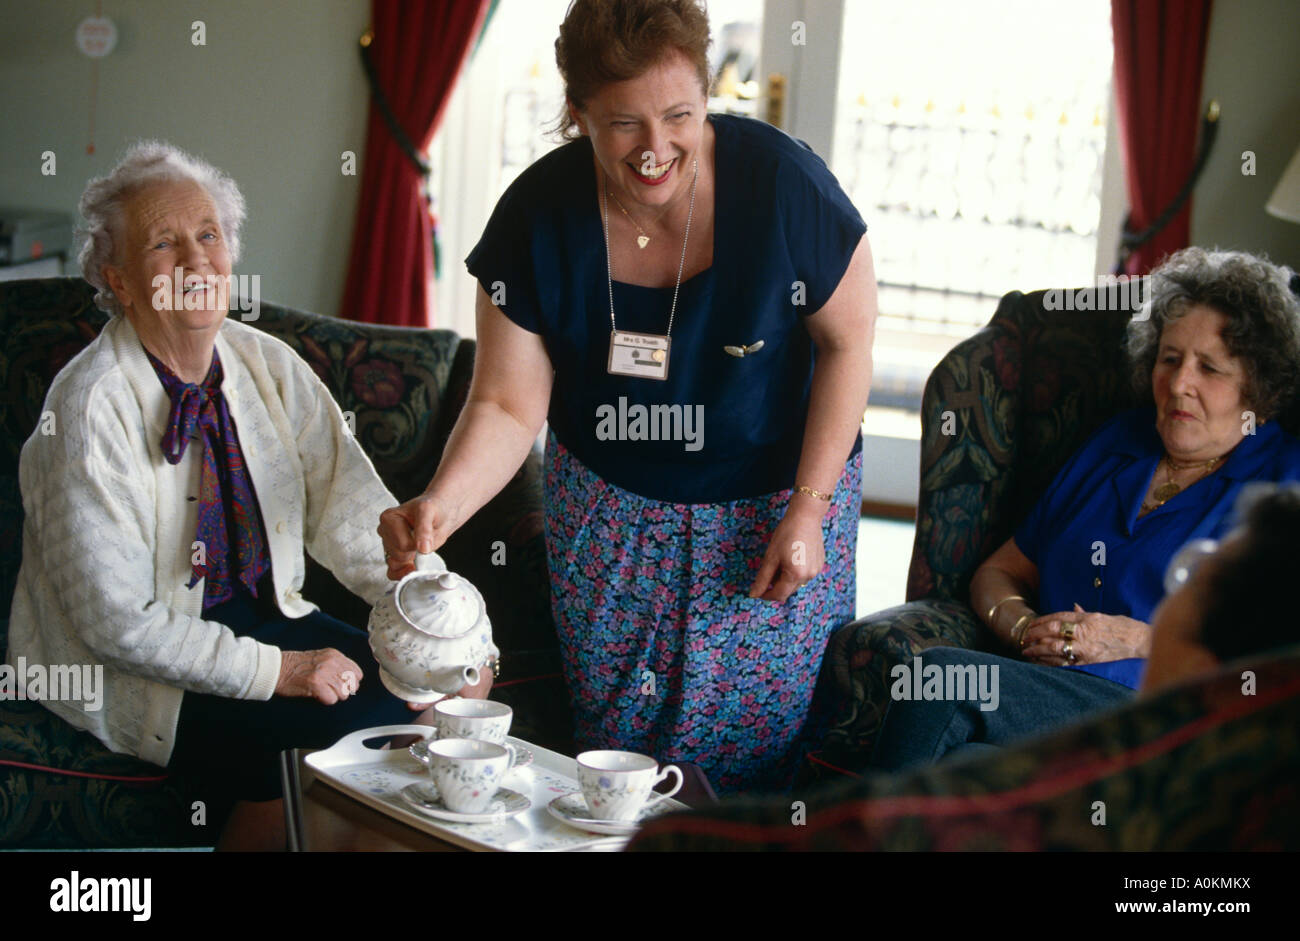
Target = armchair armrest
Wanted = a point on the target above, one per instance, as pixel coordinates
(860, 655)
(1195, 768)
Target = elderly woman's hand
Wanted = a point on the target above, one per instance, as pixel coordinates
(795, 555)
(1093, 638)
(423, 523)
(324, 675)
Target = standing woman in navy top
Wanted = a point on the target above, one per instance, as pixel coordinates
(689, 300)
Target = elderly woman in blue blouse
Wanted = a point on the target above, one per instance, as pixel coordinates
(1074, 589)
(196, 459)
(657, 289)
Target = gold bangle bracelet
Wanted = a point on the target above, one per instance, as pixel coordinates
(1018, 635)
(994, 610)
(809, 491)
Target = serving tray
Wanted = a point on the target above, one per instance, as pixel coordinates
(376, 778)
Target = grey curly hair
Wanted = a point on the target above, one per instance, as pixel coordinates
(1263, 328)
(103, 205)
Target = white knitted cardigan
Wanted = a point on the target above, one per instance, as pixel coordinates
(109, 529)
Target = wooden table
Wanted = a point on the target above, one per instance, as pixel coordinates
(321, 818)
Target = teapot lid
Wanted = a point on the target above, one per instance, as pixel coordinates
(439, 603)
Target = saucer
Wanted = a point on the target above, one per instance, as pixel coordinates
(523, 754)
(505, 803)
(572, 809)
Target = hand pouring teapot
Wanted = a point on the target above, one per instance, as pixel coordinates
(430, 633)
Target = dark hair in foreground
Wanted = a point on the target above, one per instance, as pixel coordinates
(1263, 328)
(605, 41)
(1250, 607)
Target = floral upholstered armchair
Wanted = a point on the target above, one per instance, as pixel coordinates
(404, 389)
(1000, 414)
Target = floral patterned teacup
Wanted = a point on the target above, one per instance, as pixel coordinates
(467, 772)
(479, 719)
(617, 784)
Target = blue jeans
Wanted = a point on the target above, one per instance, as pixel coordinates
(1032, 700)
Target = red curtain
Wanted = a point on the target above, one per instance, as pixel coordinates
(1159, 60)
(418, 50)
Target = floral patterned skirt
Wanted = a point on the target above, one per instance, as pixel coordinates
(664, 651)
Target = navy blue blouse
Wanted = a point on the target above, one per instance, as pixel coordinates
(780, 217)
(1084, 533)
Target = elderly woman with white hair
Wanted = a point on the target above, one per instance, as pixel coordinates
(196, 459)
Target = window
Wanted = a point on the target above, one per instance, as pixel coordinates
(494, 128)
(971, 139)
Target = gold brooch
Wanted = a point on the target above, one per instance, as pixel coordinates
(743, 351)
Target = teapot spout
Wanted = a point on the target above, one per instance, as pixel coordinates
(450, 680)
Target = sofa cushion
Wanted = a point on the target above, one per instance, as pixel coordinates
(127, 803)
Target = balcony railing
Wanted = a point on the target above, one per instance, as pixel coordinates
(964, 207)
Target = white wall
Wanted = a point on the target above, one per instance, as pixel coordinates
(273, 99)
(1253, 69)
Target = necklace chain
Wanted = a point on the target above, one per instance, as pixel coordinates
(1174, 465)
(618, 202)
(1169, 489)
(681, 265)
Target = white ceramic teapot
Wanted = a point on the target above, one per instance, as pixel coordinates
(430, 633)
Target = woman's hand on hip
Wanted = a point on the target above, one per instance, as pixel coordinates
(1091, 637)
(420, 524)
(795, 556)
(324, 675)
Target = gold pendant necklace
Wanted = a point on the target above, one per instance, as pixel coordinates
(1168, 490)
(643, 355)
(642, 240)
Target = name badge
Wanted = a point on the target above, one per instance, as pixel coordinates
(643, 355)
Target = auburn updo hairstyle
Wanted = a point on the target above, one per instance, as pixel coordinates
(603, 41)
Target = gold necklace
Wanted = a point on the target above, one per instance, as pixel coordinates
(642, 240)
(1168, 490)
(625, 347)
(1188, 466)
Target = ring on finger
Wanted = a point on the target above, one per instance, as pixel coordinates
(1069, 651)
(1068, 629)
